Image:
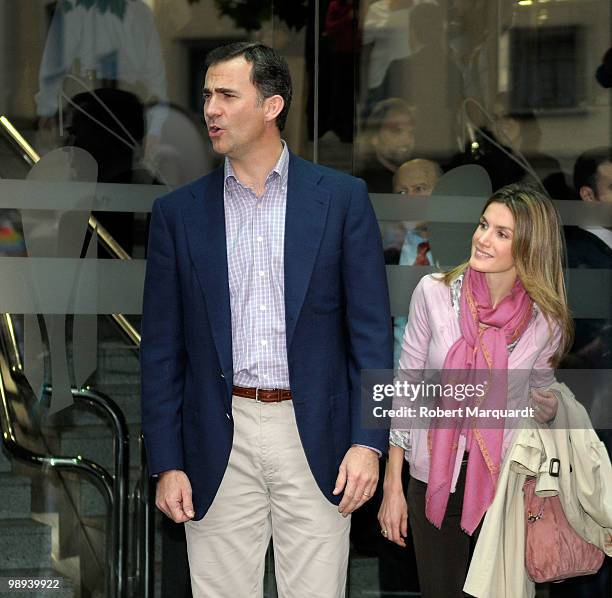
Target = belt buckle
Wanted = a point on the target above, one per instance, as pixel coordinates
(257, 399)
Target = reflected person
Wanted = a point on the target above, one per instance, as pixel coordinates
(386, 37)
(416, 178)
(115, 43)
(430, 81)
(591, 247)
(386, 142)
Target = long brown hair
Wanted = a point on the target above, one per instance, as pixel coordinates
(538, 250)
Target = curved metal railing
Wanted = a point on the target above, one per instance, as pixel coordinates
(113, 488)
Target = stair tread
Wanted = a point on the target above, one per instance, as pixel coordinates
(24, 524)
(8, 478)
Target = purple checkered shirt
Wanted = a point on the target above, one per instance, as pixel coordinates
(255, 232)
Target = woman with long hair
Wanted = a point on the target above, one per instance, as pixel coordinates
(504, 309)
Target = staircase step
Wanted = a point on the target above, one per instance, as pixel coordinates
(5, 463)
(118, 358)
(91, 501)
(24, 544)
(95, 443)
(65, 589)
(15, 496)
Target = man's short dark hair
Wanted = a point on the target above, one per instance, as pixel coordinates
(382, 108)
(585, 169)
(269, 73)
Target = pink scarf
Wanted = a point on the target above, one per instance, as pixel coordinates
(486, 333)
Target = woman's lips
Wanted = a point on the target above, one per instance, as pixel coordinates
(481, 254)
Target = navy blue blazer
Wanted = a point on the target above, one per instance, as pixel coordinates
(337, 323)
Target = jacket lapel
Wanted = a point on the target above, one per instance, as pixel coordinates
(205, 227)
(305, 216)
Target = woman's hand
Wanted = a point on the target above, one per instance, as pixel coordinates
(393, 514)
(544, 404)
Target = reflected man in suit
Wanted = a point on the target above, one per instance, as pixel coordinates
(265, 296)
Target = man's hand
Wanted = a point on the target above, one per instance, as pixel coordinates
(358, 476)
(173, 497)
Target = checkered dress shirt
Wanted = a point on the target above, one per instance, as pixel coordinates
(255, 232)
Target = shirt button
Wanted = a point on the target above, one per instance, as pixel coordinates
(261, 273)
(259, 205)
(262, 307)
(264, 343)
(259, 239)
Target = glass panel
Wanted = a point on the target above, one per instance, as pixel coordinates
(101, 107)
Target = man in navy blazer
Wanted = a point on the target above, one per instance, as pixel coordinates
(265, 297)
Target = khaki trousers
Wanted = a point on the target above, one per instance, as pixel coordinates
(268, 491)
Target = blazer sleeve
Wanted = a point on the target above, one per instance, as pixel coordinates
(162, 350)
(368, 315)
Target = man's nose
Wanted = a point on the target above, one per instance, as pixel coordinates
(211, 107)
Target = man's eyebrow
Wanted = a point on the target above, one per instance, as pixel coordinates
(220, 90)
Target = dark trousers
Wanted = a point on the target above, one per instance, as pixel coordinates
(442, 555)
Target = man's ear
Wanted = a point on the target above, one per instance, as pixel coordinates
(587, 194)
(273, 106)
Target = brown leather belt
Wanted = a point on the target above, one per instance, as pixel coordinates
(263, 395)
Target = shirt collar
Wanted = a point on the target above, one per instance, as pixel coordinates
(281, 168)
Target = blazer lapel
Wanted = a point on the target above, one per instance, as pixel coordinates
(205, 227)
(305, 216)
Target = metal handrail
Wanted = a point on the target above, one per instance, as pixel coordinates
(91, 470)
(114, 488)
(117, 549)
(144, 519)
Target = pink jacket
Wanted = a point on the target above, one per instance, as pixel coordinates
(432, 328)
